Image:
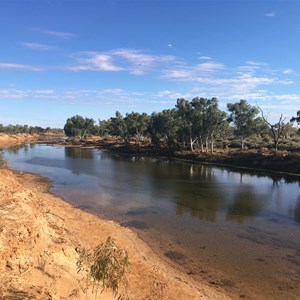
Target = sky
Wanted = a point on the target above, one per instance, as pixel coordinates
(93, 58)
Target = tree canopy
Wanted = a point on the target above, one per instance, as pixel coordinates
(195, 124)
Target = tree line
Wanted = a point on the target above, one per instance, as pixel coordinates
(195, 124)
(17, 129)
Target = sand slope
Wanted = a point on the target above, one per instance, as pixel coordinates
(39, 233)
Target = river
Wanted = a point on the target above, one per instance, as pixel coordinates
(237, 231)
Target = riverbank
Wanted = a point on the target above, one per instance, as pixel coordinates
(257, 160)
(7, 140)
(39, 235)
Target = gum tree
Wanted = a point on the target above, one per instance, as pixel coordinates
(79, 127)
(243, 116)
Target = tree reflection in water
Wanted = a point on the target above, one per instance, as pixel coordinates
(297, 211)
(246, 205)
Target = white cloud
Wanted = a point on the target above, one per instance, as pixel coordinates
(102, 62)
(192, 73)
(209, 67)
(58, 34)
(20, 67)
(270, 14)
(37, 46)
(26, 94)
(45, 92)
(134, 61)
(288, 71)
(173, 95)
(205, 57)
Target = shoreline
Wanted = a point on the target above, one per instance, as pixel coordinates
(281, 164)
(40, 251)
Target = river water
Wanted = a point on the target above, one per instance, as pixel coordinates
(237, 231)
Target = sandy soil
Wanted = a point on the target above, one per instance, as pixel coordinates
(12, 139)
(39, 235)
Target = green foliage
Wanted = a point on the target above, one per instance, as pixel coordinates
(192, 125)
(3, 162)
(243, 116)
(118, 126)
(17, 129)
(296, 119)
(105, 266)
(164, 127)
(79, 127)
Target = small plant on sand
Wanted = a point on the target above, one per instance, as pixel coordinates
(105, 266)
(3, 162)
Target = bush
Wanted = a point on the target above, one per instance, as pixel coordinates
(3, 162)
(105, 266)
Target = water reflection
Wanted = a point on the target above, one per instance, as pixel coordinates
(79, 153)
(297, 211)
(130, 183)
(204, 199)
(246, 205)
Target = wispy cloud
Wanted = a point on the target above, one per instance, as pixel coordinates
(172, 94)
(205, 57)
(271, 14)
(134, 61)
(192, 72)
(57, 34)
(20, 67)
(25, 93)
(37, 46)
(288, 71)
(96, 62)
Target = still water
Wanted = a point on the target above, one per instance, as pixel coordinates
(237, 231)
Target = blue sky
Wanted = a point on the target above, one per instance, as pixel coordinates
(62, 58)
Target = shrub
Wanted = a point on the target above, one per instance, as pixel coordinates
(3, 162)
(105, 266)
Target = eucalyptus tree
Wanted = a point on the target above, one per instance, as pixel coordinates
(208, 120)
(118, 126)
(215, 120)
(277, 130)
(104, 127)
(77, 127)
(297, 118)
(200, 118)
(186, 122)
(137, 125)
(164, 127)
(243, 116)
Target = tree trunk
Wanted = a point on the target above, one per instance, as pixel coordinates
(201, 144)
(212, 143)
(242, 143)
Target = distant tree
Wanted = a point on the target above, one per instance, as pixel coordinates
(185, 118)
(297, 118)
(277, 130)
(118, 126)
(243, 116)
(215, 120)
(164, 127)
(104, 127)
(36, 130)
(137, 125)
(79, 127)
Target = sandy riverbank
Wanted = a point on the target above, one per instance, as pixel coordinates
(7, 140)
(39, 233)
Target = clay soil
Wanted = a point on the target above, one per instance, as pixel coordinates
(39, 236)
